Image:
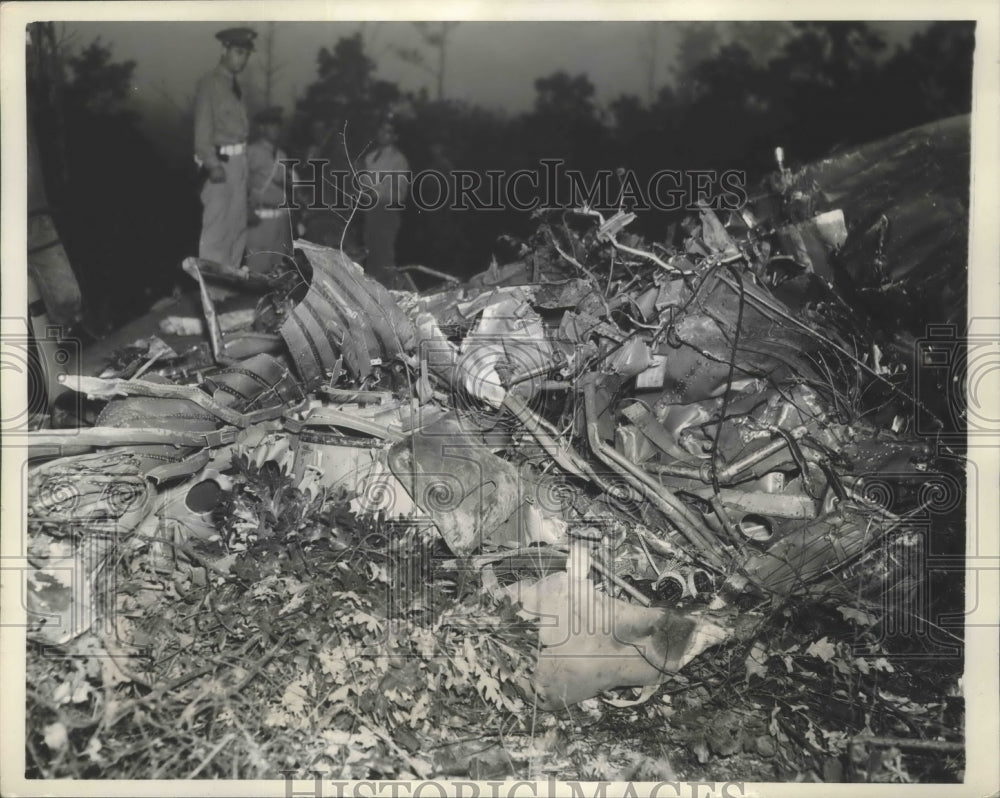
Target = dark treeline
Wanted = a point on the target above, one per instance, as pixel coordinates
(126, 214)
(129, 212)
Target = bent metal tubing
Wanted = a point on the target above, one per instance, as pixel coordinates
(565, 456)
(669, 504)
(734, 469)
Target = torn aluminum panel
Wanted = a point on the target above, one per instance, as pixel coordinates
(345, 313)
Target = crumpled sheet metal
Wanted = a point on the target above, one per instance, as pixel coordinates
(701, 345)
(906, 206)
(814, 241)
(256, 384)
(592, 642)
(60, 593)
(452, 476)
(80, 509)
(472, 495)
(685, 432)
(509, 336)
(103, 492)
(764, 494)
(806, 550)
(344, 313)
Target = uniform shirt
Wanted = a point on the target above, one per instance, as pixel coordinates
(219, 115)
(267, 174)
(380, 162)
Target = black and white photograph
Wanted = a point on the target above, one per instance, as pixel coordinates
(500, 400)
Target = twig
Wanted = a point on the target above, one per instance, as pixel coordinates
(649, 256)
(432, 272)
(164, 765)
(147, 365)
(268, 656)
(354, 177)
(193, 555)
(169, 687)
(584, 269)
(212, 754)
(608, 573)
(608, 236)
(902, 742)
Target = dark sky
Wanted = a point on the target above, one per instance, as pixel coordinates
(490, 63)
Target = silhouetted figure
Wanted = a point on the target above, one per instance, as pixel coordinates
(386, 174)
(269, 236)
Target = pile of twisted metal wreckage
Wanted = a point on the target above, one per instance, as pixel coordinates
(658, 424)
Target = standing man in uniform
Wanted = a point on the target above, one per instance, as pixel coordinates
(269, 237)
(220, 141)
(386, 175)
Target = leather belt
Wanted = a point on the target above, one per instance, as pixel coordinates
(231, 149)
(224, 151)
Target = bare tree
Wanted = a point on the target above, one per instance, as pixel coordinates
(269, 67)
(263, 71)
(436, 38)
(649, 50)
(49, 48)
(699, 41)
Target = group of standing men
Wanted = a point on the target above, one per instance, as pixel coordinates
(244, 188)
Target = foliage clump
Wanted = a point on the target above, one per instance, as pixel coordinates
(304, 637)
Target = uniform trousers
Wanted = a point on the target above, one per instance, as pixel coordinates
(381, 230)
(269, 241)
(224, 215)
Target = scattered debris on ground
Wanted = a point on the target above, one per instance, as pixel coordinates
(610, 511)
